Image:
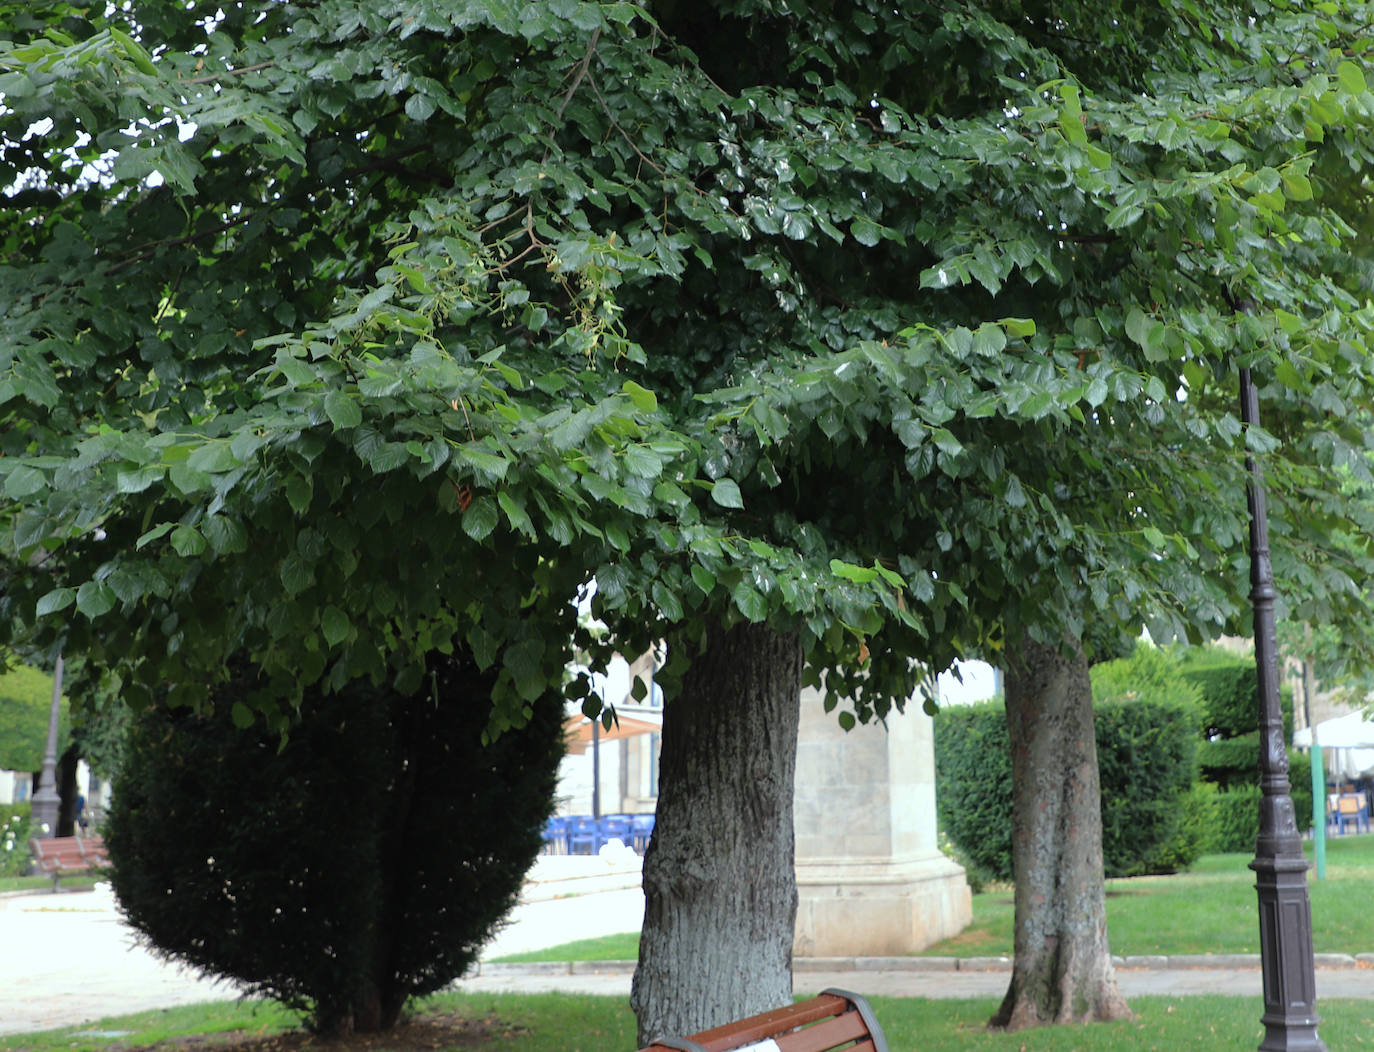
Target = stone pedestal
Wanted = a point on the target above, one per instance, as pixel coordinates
(870, 879)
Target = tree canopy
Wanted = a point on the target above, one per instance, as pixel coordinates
(357, 327)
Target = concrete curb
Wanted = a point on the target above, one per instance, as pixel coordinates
(1230, 961)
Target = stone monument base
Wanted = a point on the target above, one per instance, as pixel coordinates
(878, 907)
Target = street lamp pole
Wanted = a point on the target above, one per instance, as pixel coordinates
(47, 800)
(1285, 913)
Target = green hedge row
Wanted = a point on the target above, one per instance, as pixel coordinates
(1145, 759)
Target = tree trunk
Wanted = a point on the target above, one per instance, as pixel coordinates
(720, 884)
(1063, 968)
(67, 792)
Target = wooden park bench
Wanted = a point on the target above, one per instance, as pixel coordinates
(61, 856)
(833, 1021)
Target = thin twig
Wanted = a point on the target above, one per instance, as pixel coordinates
(582, 68)
(210, 78)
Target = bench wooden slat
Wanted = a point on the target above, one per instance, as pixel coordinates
(61, 855)
(822, 1037)
(834, 1020)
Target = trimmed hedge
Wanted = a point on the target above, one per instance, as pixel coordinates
(973, 786)
(1145, 759)
(363, 861)
(1226, 683)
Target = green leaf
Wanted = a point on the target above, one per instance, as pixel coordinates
(1018, 328)
(644, 399)
(343, 409)
(57, 599)
(224, 535)
(947, 443)
(187, 541)
(1296, 186)
(299, 490)
(850, 572)
(515, 513)
(1351, 78)
(242, 716)
(865, 231)
(334, 624)
(156, 533)
(1154, 537)
(1071, 116)
(95, 598)
(480, 518)
(213, 456)
(419, 107)
(751, 603)
(725, 492)
(138, 481)
(297, 573)
(704, 578)
(24, 481)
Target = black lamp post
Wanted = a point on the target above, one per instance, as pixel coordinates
(46, 799)
(1285, 913)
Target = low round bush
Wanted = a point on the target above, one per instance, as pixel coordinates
(363, 860)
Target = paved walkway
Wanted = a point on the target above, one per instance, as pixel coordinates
(69, 959)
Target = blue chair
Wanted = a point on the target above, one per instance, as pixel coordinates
(615, 827)
(556, 836)
(641, 831)
(1351, 809)
(584, 832)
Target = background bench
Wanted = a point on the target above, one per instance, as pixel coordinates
(61, 856)
(835, 1020)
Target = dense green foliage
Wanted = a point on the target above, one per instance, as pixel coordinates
(1229, 689)
(973, 786)
(1145, 755)
(25, 709)
(1228, 755)
(362, 862)
(433, 312)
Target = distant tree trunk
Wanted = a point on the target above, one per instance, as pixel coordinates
(719, 879)
(1063, 968)
(67, 792)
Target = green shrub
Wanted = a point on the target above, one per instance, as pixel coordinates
(14, 840)
(973, 787)
(1194, 833)
(1145, 753)
(1145, 756)
(1235, 819)
(1229, 688)
(1147, 673)
(363, 861)
(1230, 762)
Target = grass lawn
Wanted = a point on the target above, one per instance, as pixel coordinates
(569, 1023)
(76, 882)
(1210, 909)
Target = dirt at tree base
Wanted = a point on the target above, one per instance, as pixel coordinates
(446, 1031)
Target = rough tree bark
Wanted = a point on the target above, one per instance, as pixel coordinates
(719, 879)
(1063, 967)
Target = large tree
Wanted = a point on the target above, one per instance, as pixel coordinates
(432, 312)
